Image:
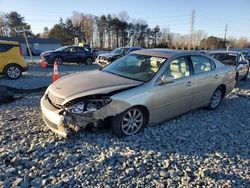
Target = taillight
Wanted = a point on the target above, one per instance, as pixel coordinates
(20, 51)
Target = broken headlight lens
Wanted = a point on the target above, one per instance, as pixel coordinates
(87, 106)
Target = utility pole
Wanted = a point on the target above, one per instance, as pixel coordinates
(25, 36)
(225, 35)
(192, 29)
(26, 40)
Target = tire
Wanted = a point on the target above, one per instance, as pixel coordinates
(216, 98)
(129, 122)
(88, 61)
(13, 71)
(59, 60)
(237, 78)
(245, 77)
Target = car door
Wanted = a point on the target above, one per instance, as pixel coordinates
(205, 80)
(70, 54)
(81, 54)
(172, 99)
(4, 55)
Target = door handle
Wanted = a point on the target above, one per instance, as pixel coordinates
(189, 83)
(216, 76)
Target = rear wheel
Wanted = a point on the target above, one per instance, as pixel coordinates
(13, 71)
(216, 98)
(129, 122)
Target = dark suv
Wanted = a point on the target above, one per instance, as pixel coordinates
(68, 54)
(106, 58)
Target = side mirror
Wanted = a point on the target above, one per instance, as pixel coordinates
(166, 79)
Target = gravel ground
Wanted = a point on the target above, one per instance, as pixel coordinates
(199, 149)
(37, 77)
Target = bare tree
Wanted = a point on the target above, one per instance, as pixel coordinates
(166, 38)
(242, 42)
(181, 41)
(197, 37)
(101, 27)
(87, 24)
(4, 30)
(45, 33)
(123, 16)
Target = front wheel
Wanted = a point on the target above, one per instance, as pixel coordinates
(216, 98)
(88, 61)
(129, 122)
(13, 71)
(59, 60)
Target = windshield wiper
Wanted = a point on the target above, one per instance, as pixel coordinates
(123, 76)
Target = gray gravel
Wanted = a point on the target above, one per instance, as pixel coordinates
(37, 77)
(200, 149)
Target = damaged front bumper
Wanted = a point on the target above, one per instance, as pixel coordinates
(63, 123)
(53, 117)
(102, 62)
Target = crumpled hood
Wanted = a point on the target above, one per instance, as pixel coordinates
(89, 83)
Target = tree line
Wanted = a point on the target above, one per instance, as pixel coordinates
(111, 31)
(106, 31)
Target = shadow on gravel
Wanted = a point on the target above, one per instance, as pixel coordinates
(10, 94)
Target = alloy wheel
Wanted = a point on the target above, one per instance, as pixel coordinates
(13, 72)
(59, 60)
(216, 98)
(88, 61)
(132, 121)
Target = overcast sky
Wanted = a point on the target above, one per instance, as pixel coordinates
(210, 16)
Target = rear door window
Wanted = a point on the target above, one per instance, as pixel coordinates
(201, 64)
(6, 47)
(70, 49)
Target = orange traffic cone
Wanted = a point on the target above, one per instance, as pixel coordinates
(43, 64)
(56, 75)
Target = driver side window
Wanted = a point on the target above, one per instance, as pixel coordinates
(178, 68)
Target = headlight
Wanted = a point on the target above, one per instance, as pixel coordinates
(87, 106)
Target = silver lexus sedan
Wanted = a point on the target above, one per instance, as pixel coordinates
(141, 88)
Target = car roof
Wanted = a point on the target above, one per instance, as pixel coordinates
(9, 42)
(224, 52)
(164, 53)
(127, 47)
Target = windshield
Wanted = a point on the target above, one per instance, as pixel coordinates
(61, 48)
(136, 67)
(119, 51)
(229, 59)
